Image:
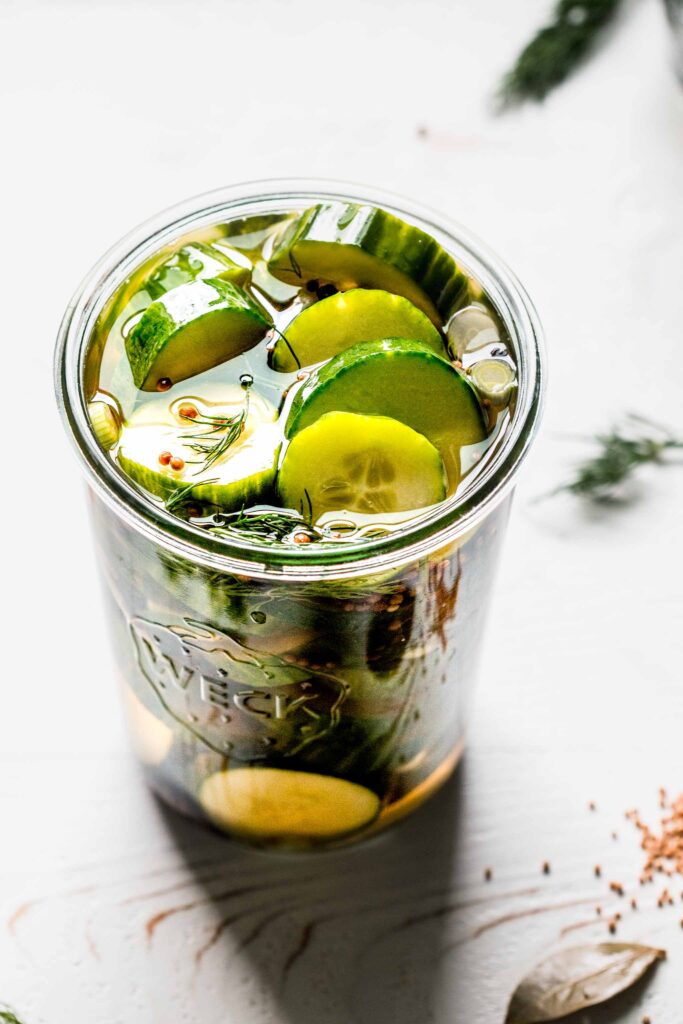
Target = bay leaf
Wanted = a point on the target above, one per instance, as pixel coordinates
(575, 978)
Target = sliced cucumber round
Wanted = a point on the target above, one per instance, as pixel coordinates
(361, 314)
(352, 245)
(367, 464)
(105, 422)
(191, 329)
(151, 738)
(157, 454)
(402, 379)
(279, 804)
(194, 262)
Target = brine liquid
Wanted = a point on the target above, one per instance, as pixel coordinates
(475, 334)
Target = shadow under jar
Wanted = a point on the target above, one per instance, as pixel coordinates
(298, 694)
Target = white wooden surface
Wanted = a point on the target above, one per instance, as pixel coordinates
(113, 910)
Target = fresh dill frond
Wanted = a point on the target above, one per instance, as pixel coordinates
(181, 493)
(214, 442)
(271, 524)
(557, 50)
(8, 1017)
(620, 453)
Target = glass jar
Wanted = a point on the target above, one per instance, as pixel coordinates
(674, 10)
(296, 697)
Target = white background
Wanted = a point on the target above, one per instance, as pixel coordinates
(111, 111)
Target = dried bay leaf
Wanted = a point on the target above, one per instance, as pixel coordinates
(575, 978)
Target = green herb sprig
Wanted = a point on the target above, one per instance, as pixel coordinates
(557, 50)
(8, 1017)
(620, 453)
(271, 524)
(222, 433)
(264, 524)
(182, 493)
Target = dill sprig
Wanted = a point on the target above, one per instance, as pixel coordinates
(556, 51)
(213, 443)
(181, 493)
(264, 524)
(8, 1017)
(620, 453)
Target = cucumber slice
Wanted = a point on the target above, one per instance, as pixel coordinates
(276, 803)
(402, 379)
(495, 381)
(191, 329)
(105, 423)
(197, 261)
(361, 314)
(363, 245)
(151, 738)
(243, 475)
(367, 464)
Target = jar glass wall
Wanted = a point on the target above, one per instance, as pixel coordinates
(296, 698)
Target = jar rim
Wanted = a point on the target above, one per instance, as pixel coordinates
(451, 520)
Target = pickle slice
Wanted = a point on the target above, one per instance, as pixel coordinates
(197, 261)
(367, 464)
(191, 329)
(276, 803)
(151, 738)
(157, 435)
(353, 245)
(361, 314)
(402, 379)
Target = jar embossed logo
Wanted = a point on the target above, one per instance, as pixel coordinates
(237, 702)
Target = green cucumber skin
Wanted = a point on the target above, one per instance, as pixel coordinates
(303, 412)
(149, 336)
(190, 264)
(310, 332)
(256, 489)
(389, 240)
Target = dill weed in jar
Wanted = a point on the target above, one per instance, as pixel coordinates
(299, 499)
